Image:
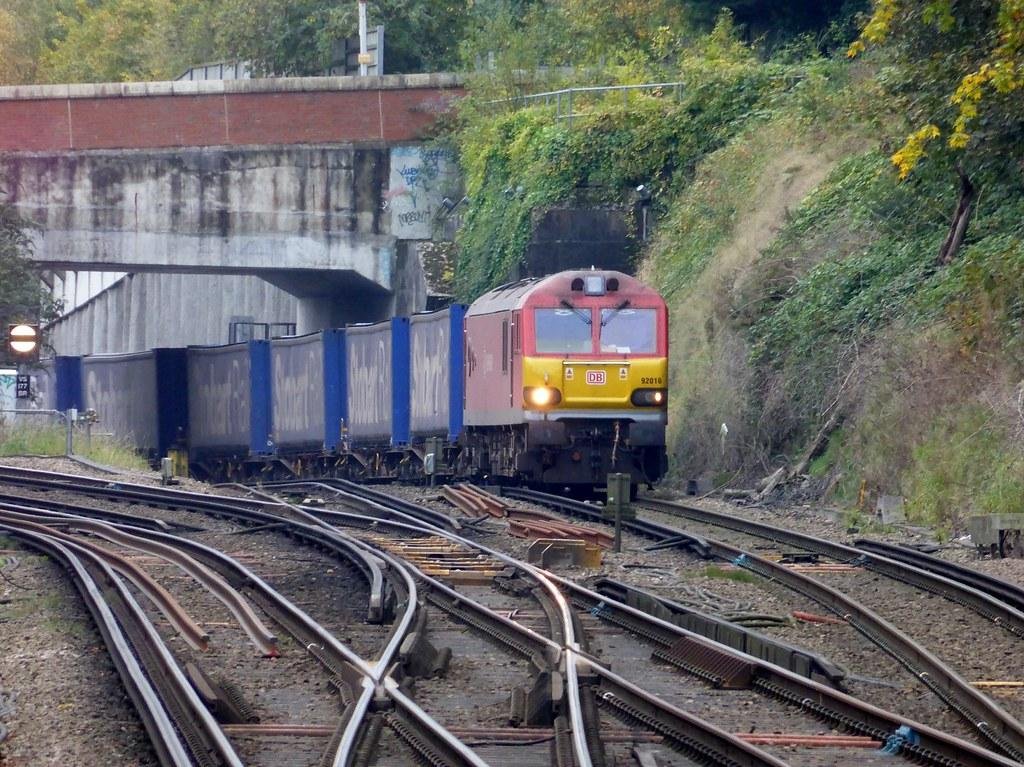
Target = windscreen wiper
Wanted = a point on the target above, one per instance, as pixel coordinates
(585, 316)
(614, 311)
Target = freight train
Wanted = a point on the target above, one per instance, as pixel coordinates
(555, 381)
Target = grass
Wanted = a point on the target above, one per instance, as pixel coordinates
(740, 576)
(50, 441)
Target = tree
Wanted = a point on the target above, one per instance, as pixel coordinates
(120, 40)
(296, 37)
(22, 297)
(26, 28)
(958, 77)
(961, 72)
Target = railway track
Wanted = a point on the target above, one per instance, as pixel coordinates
(840, 709)
(985, 716)
(558, 631)
(363, 679)
(893, 583)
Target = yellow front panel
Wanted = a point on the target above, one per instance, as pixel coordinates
(596, 383)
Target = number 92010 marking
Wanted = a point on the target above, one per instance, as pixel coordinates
(650, 380)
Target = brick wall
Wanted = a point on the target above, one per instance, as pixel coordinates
(261, 117)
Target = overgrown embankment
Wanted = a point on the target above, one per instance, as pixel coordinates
(827, 316)
(810, 308)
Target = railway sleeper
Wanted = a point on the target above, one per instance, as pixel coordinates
(419, 657)
(224, 700)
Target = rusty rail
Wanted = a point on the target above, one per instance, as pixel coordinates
(178, 617)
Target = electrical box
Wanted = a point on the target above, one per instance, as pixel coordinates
(433, 459)
(618, 497)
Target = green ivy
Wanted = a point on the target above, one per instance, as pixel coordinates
(518, 163)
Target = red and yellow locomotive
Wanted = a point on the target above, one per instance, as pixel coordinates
(566, 379)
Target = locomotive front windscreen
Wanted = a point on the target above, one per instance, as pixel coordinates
(629, 331)
(563, 331)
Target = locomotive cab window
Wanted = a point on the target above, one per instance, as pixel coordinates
(563, 331)
(629, 331)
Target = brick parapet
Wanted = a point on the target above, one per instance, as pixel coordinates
(278, 111)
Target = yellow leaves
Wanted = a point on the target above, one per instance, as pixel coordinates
(1000, 75)
(913, 150)
(878, 27)
(997, 68)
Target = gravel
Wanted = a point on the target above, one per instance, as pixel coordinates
(69, 705)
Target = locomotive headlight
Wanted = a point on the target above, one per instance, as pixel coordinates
(541, 396)
(649, 397)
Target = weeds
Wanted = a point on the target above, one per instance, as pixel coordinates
(20, 439)
(740, 576)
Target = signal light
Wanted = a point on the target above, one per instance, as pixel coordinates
(23, 340)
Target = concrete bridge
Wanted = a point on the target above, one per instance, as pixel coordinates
(324, 187)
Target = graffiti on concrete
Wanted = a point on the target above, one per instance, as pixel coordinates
(421, 177)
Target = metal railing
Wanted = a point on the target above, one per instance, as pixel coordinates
(564, 99)
(69, 417)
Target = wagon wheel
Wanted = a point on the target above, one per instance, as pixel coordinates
(1010, 544)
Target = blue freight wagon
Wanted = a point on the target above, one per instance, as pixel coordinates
(307, 391)
(436, 360)
(140, 398)
(378, 383)
(229, 401)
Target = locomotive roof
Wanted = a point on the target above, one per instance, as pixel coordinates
(514, 295)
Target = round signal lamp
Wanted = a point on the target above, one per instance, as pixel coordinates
(23, 339)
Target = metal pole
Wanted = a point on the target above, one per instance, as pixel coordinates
(70, 416)
(362, 38)
(618, 529)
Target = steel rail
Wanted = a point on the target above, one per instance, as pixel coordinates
(451, 747)
(998, 589)
(821, 700)
(114, 488)
(570, 649)
(205, 733)
(336, 656)
(262, 637)
(573, 655)
(178, 617)
(104, 514)
(992, 721)
(320, 643)
(1003, 614)
(386, 503)
(797, 659)
(252, 511)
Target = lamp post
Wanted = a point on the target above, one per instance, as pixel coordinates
(364, 56)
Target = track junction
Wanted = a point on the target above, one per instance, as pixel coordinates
(335, 624)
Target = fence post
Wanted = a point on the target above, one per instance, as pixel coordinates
(70, 416)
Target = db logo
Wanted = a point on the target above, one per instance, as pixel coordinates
(595, 377)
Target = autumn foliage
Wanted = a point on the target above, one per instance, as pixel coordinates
(968, 57)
